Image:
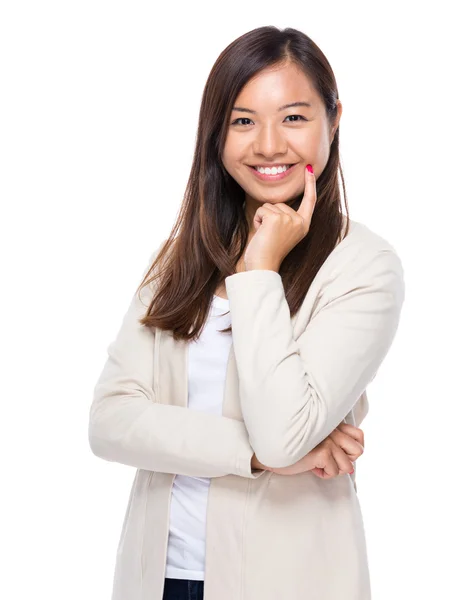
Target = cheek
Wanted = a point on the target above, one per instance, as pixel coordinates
(228, 161)
(231, 164)
(236, 149)
(312, 140)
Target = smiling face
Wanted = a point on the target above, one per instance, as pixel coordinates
(263, 132)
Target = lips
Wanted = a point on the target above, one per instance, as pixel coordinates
(271, 166)
(272, 178)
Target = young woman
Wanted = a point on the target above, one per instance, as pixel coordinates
(238, 378)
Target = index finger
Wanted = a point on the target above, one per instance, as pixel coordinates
(307, 205)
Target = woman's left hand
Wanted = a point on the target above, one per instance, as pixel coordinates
(279, 228)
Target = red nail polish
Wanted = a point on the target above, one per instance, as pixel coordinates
(310, 168)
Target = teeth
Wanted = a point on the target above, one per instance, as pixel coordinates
(273, 170)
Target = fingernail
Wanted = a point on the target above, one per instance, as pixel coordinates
(310, 168)
(351, 471)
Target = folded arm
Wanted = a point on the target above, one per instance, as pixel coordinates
(294, 393)
(127, 425)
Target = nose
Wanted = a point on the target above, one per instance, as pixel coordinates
(269, 141)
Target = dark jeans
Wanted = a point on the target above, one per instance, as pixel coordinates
(183, 589)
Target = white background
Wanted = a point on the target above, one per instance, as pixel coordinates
(99, 107)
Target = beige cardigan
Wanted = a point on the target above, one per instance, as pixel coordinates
(289, 383)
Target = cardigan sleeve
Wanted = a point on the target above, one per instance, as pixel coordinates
(128, 426)
(295, 392)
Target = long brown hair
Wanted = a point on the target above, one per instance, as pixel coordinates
(212, 223)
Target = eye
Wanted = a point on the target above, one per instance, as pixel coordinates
(240, 119)
(247, 119)
(300, 116)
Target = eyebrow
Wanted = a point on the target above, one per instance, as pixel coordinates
(291, 104)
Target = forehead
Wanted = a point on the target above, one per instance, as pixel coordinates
(275, 86)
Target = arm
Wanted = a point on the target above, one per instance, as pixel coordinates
(294, 393)
(127, 425)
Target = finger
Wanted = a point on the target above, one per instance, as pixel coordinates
(307, 205)
(285, 208)
(342, 461)
(319, 472)
(353, 448)
(263, 211)
(355, 432)
(270, 206)
(330, 468)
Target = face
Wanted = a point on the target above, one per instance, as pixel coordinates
(262, 132)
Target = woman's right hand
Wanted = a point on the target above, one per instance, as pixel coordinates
(332, 457)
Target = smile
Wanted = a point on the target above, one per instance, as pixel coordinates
(277, 177)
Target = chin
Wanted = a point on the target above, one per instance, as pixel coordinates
(287, 199)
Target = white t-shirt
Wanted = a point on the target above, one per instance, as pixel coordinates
(207, 360)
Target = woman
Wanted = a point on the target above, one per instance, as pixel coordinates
(238, 378)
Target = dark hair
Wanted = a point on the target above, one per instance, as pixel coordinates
(213, 229)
